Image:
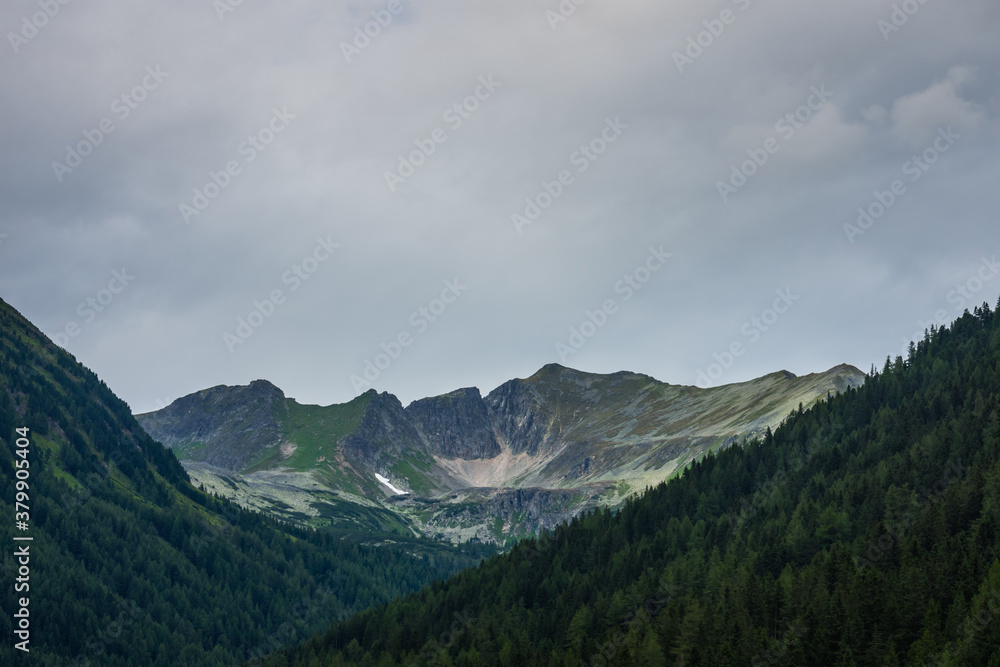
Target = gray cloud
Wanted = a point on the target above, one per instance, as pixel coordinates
(324, 175)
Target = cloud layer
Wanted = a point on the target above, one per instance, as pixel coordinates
(295, 189)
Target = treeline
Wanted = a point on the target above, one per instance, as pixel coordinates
(864, 531)
(131, 565)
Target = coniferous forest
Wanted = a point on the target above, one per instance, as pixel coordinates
(131, 565)
(395, 333)
(864, 531)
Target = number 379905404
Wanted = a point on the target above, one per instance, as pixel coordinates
(22, 464)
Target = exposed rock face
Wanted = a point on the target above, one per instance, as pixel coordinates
(528, 511)
(456, 425)
(537, 415)
(235, 424)
(520, 415)
(846, 377)
(475, 513)
(385, 432)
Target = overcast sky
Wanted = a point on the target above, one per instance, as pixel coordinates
(168, 167)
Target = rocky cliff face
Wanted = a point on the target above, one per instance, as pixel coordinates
(558, 405)
(521, 416)
(228, 427)
(385, 432)
(493, 515)
(456, 425)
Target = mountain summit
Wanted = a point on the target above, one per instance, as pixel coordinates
(862, 531)
(568, 439)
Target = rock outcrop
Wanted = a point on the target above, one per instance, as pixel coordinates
(384, 433)
(230, 426)
(456, 425)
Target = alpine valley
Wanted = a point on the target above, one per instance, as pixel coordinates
(529, 455)
(831, 519)
(120, 560)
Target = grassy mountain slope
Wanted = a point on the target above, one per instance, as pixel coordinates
(132, 565)
(864, 531)
(629, 427)
(570, 440)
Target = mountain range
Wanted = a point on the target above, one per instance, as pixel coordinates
(861, 529)
(864, 531)
(120, 560)
(530, 454)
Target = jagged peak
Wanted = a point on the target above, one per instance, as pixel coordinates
(261, 388)
(849, 368)
(263, 384)
(840, 369)
(558, 369)
(256, 385)
(554, 368)
(382, 398)
(464, 392)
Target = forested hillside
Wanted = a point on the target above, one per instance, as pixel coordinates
(864, 531)
(131, 565)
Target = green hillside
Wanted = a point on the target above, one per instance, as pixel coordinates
(574, 439)
(863, 531)
(312, 427)
(132, 565)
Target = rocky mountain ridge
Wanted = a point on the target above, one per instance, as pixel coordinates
(572, 439)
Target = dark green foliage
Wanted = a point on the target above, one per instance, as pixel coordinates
(131, 565)
(864, 531)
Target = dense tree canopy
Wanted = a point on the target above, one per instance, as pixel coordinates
(864, 531)
(131, 565)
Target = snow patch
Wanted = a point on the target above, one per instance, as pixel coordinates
(387, 483)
